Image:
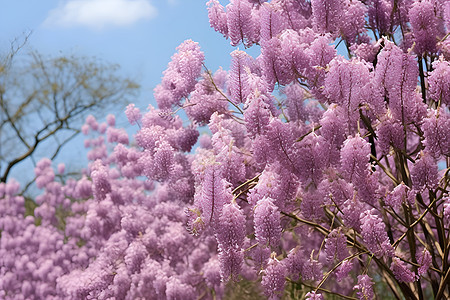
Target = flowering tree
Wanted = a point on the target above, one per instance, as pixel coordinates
(46, 113)
(324, 176)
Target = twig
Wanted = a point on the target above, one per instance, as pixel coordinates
(220, 91)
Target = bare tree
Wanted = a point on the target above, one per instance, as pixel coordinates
(43, 101)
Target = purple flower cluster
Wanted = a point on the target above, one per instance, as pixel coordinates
(316, 174)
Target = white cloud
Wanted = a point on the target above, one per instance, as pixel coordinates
(99, 14)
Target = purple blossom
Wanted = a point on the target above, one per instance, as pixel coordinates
(424, 173)
(176, 289)
(217, 17)
(365, 51)
(439, 81)
(238, 76)
(295, 261)
(390, 133)
(355, 159)
(260, 256)
(111, 120)
(401, 194)
(230, 261)
(271, 20)
(424, 260)
(100, 180)
(425, 26)
(327, 14)
(267, 223)
(396, 78)
(401, 272)
(334, 131)
(214, 195)
(231, 232)
(133, 114)
(276, 184)
(312, 270)
(295, 165)
(347, 84)
(364, 287)
(336, 246)
(44, 173)
(312, 157)
(353, 20)
(297, 15)
(205, 100)
(274, 279)
(447, 208)
(180, 76)
(61, 168)
(296, 110)
(279, 144)
(257, 114)
(380, 15)
(320, 53)
(343, 270)
(374, 234)
(313, 296)
(241, 27)
(276, 62)
(115, 135)
(211, 272)
(436, 130)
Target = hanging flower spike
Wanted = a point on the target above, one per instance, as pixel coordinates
(348, 84)
(273, 279)
(390, 133)
(231, 232)
(327, 15)
(398, 196)
(424, 173)
(364, 287)
(374, 235)
(424, 260)
(267, 223)
(217, 17)
(336, 246)
(230, 262)
(401, 272)
(379, 12)
(214, 195)
(205, 100)
(436, 130)
(271, 21)
(396, 78)
(439, 81)
(425, 26)
(238, 76)
(355, 163)
(133, 114)
(257, 114)
(241, 27)
(353, 20)
(343, 270)
(446, 201)
(100, 180)
(180, 76)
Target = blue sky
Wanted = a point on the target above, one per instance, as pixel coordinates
(139, 35)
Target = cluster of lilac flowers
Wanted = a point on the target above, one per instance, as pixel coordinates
(321, 175)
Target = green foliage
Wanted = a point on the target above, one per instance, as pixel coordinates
(30, 206)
